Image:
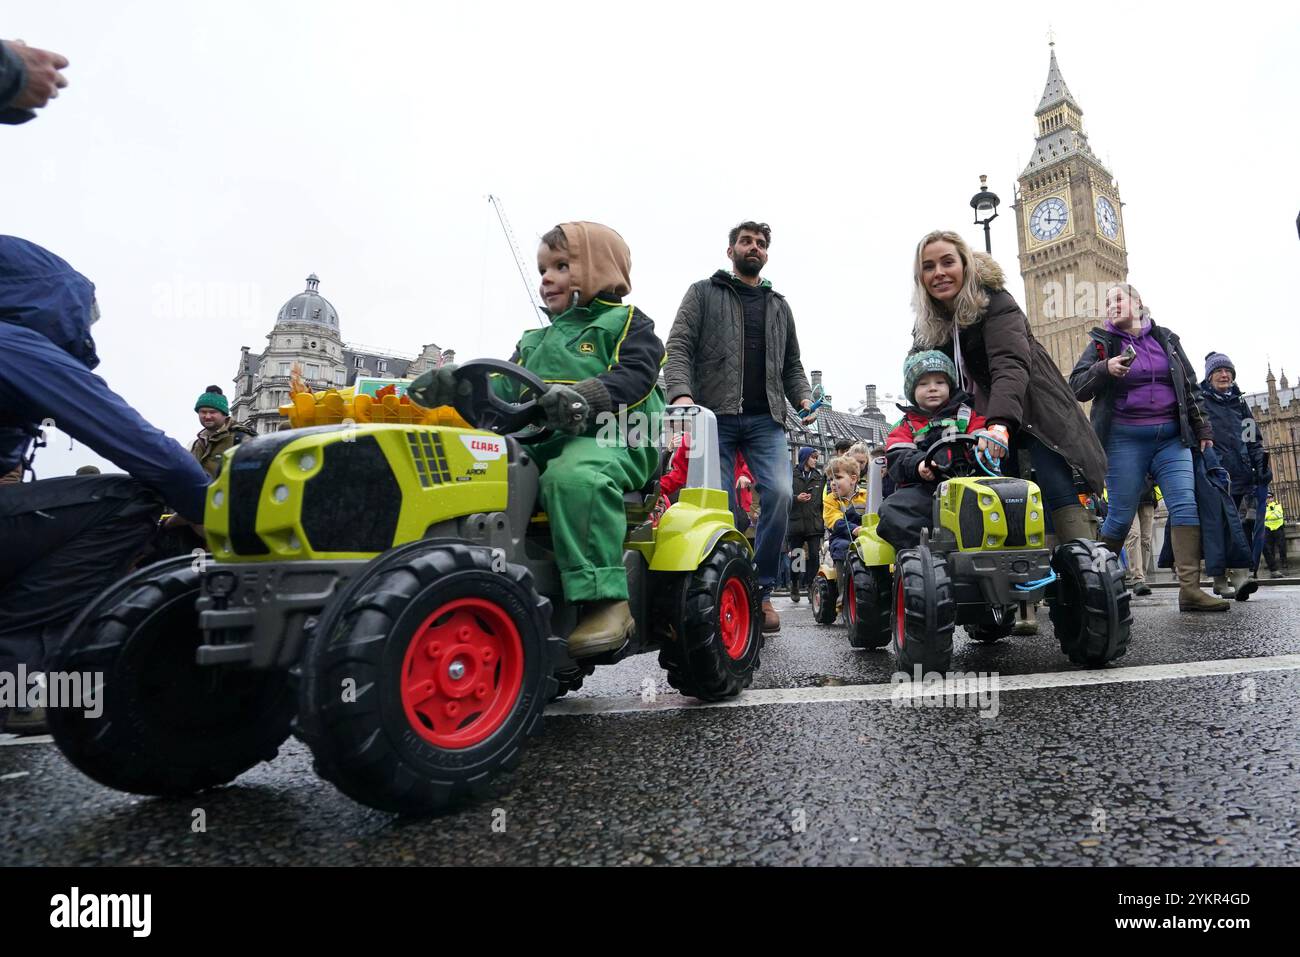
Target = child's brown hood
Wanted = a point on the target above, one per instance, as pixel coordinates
(599, 261)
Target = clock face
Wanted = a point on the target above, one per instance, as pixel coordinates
(1107, 219)
(1048, 219)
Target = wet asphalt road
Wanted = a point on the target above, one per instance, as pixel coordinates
(1187, 771)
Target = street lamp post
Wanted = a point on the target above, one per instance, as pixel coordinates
(985, 203)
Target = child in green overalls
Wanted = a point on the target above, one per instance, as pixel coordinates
(600, 358)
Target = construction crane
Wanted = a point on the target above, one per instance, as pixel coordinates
(519, 259)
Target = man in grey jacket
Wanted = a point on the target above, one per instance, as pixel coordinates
(733, 349)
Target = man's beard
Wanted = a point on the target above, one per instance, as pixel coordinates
(747, 267)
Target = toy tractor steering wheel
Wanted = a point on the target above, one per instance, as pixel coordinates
(960, 457)
(484, 409)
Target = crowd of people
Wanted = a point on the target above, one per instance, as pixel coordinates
(1154, 433)
(974, 367)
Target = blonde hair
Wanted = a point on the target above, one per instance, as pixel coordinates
(1131, 291)
(933, 326)
(859, 448)
(844, 463)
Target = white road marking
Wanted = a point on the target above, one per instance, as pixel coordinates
(886, 691)
(881, 691)
(7, 740)
(15, 776)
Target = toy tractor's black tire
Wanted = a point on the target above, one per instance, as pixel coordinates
(168, 726)
(714, 632)
(922, 613)
(571, 679)
(823, 597)
(387, 720)
(868, 605)
(989, 632)
(1090, 608)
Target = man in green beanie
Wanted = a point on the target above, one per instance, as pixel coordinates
(219, 433)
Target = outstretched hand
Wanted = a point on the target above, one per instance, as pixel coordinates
(43, 77)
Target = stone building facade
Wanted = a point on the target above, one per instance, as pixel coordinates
(1277, 412)
(307, 333)
(865, 422)
(1069, 226)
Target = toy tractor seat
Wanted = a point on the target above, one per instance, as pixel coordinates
(637, 505)
(644, 499)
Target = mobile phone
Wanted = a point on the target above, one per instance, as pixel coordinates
(1128, 355)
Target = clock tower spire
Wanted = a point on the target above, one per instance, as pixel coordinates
(1068, 224)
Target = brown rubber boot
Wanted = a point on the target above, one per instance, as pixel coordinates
(1186, 540)
(1072, 522)
(771, 620)
(605, 626)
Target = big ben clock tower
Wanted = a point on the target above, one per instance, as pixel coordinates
(1069, 225)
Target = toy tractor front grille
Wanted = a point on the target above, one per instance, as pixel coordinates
(350, 492)
(991, 513)
(429, 457)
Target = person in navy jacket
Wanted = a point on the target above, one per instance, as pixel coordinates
(63, 540)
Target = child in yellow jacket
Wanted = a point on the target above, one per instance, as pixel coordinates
(843, 504)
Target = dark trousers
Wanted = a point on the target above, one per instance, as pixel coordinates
(62, 542)
(1275, 541)
(811, 547)
(905, 513)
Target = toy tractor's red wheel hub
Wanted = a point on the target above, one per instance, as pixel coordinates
(462, 673)
(733, 617)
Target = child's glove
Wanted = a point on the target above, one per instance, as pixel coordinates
(437, 387)
(566, 409)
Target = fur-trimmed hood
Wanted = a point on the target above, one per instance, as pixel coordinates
(989, 272)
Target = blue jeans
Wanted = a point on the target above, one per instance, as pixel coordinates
(762, 441)
(1052, 474)
(1135, 451)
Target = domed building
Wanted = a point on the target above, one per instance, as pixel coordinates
(307, 332)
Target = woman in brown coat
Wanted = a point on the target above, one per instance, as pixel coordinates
(963, 309)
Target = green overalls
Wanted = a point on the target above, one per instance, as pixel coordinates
(584, 477)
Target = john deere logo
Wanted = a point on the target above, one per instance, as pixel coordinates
(586, 348)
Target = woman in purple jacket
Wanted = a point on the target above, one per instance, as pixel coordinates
(1147, 412)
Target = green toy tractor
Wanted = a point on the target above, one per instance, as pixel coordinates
(388, 594)
(984, 553)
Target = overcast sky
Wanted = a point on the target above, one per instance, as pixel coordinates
(234, 147)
